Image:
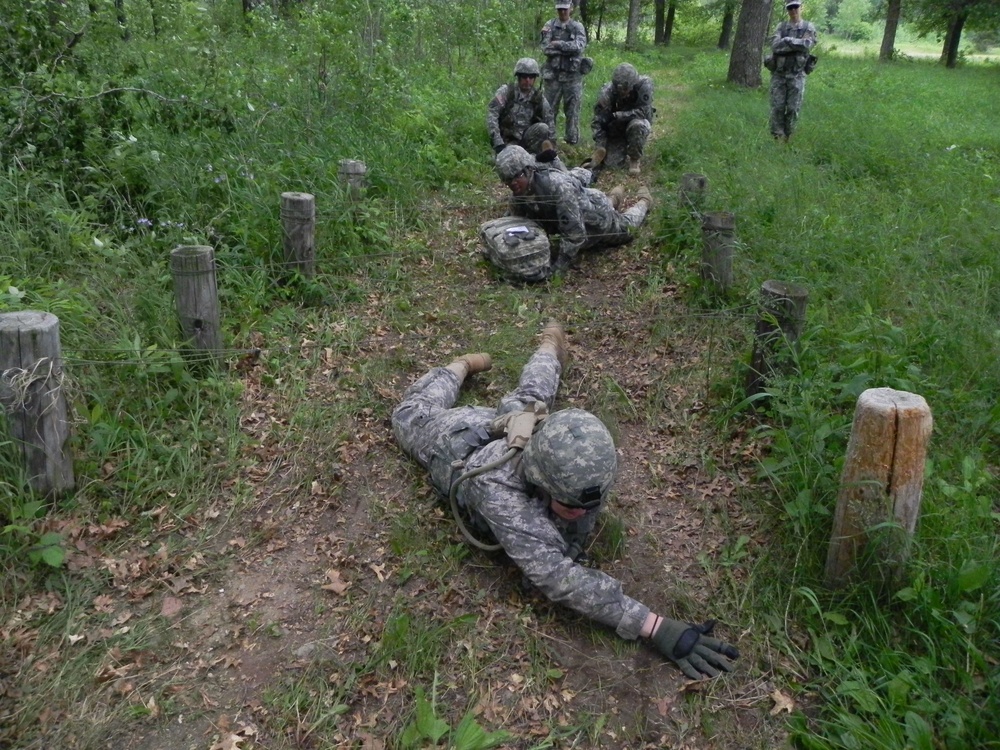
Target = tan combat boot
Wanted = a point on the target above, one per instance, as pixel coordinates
(643, 194)
(554, 342)
(470, 364)
(597, 158)
(634, 166)
(617, 197)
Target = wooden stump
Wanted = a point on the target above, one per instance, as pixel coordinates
(197, 297)
(719, 235)
(779, 325)
(692, 191)
(31, 393)
(352, 174)
(880, 488)
(298, 221)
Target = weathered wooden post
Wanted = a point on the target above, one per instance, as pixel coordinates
(881, 486)
(32, 395)
(779, 324)
(197, 297)
(352, 173)
(692, 191)
(298, 221)
(718, 231)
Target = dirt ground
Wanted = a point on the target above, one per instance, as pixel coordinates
(285, 602)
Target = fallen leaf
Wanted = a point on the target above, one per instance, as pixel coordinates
(782, 702)
(337, 585)
(229, 742)
(171, 606)
(74, 639)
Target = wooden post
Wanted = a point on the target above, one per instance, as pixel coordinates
(719, 235)
(352, 174)
(298, 221)
(692, 192)
(779, 325)
(881, 486)
(31, 393)
(197, 296)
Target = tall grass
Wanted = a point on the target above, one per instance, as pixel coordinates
(886, 207)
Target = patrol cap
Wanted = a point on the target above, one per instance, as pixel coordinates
(563, 5)
(792, 4)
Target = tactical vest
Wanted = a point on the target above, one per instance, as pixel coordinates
(508, 123)
(792, 62)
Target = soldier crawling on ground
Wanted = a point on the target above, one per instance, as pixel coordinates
(534, 491)
(518, 114)
(562, 204)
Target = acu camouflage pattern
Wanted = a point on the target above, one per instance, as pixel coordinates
(562, 78)
(622, 122)
(582, 217)
(501, 502)
(523, 258)
(522, 119)
(788, 79)
(571, 452)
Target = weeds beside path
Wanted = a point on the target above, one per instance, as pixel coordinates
(324, 586)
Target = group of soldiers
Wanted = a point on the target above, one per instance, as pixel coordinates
(521, 121)
(518, 478)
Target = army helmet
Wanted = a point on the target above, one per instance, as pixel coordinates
(512, 161)
(526, 66)
(625, 76)
(572, 457)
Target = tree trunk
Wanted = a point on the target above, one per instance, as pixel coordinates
(658, 22)
(748, 46)
(668, 29)
(889, 35)
(584, 7)
(632, 31)
(949, 55)
(600, 21)
(156, 20)
(726, 35)
(122, 19)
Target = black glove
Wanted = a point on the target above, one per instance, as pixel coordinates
(499, 147)
(692, 650)
(547, 156)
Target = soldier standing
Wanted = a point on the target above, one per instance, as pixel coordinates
(541, 504)
(518, 114)
(563, 41)
(623, 117)
(563, 204)
(790, 46)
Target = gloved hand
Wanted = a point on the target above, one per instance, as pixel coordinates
(547, 156)
(692, 650)
(499, 147)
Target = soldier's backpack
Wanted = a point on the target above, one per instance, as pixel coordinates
(518, 247)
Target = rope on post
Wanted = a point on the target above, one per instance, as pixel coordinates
(32, 395)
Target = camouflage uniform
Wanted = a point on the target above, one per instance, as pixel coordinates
(582, 217)
(790, 46)
(563, 44)
(522, 119)
(499, 502)
(622, 124)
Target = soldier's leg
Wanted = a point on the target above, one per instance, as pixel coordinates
(573, 91)
(636, 135)
(796, 90)
(777, 106)
(434, 393)
(553, 92)
(539, 379)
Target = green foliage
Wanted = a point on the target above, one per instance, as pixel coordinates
(427, 729)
